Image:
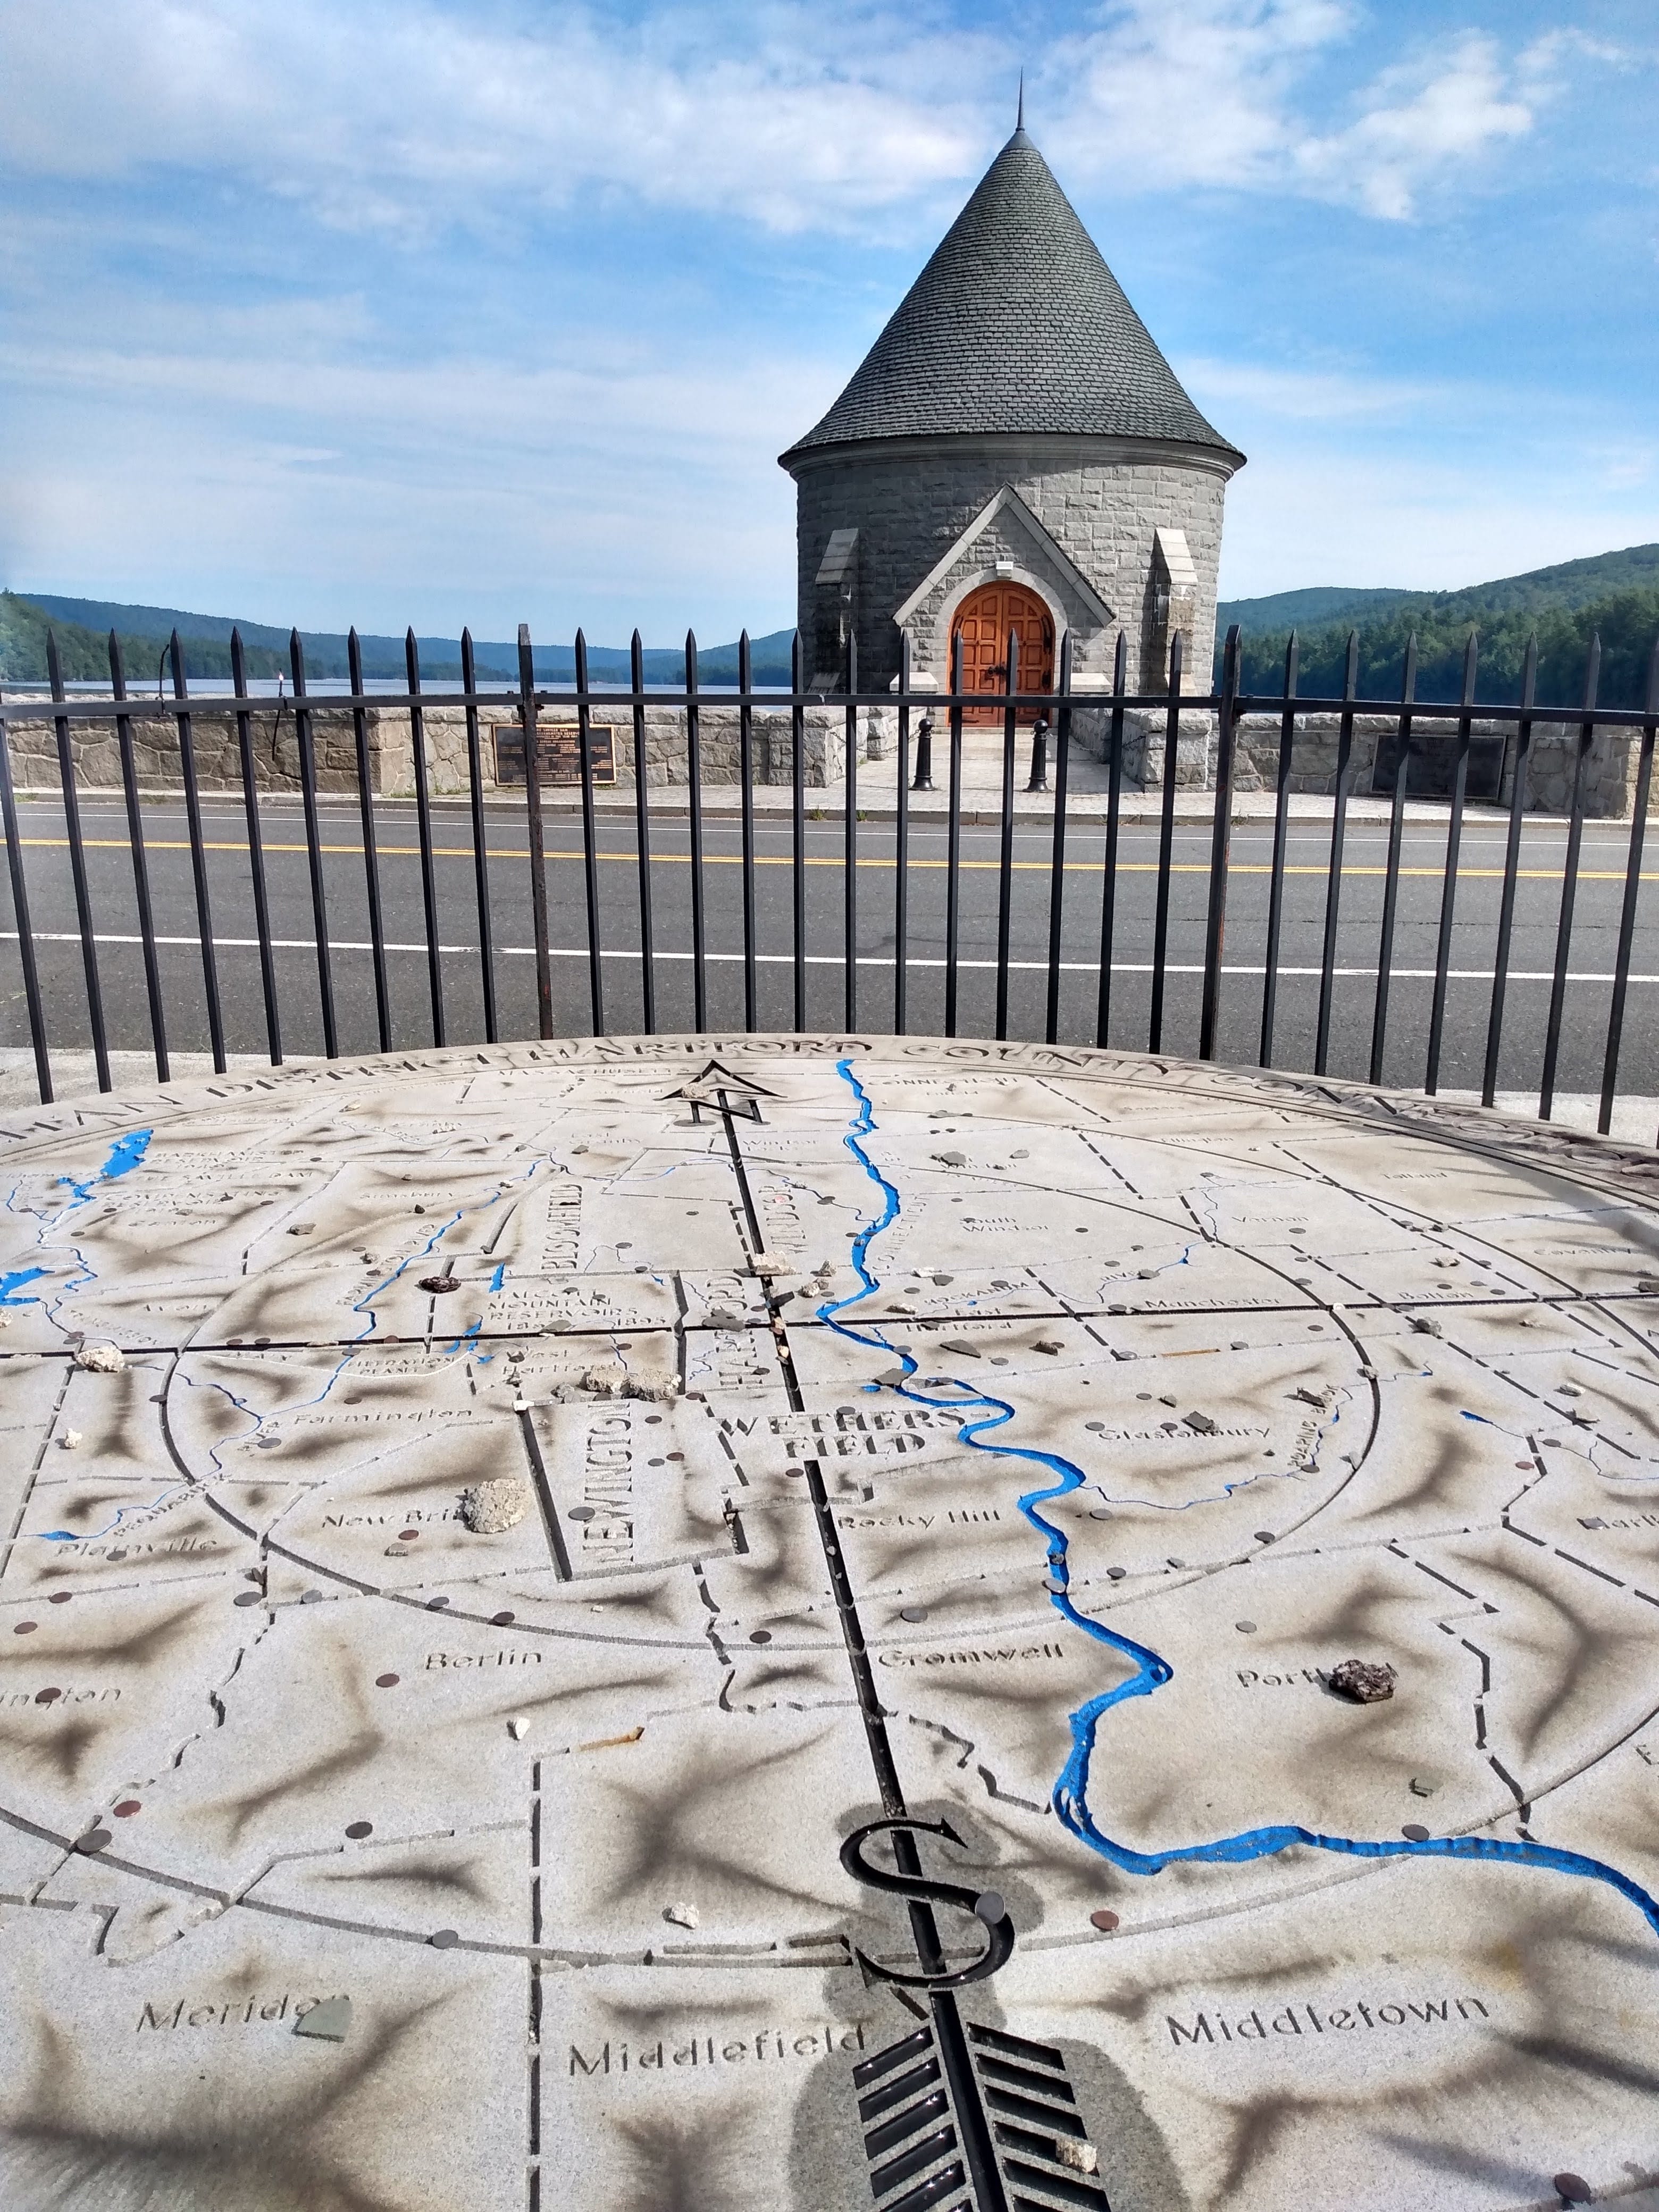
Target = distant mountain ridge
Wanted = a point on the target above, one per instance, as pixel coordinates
(1615, 596)
(83, 653)
(1569, 584)
(1318, 603)
(325, 651)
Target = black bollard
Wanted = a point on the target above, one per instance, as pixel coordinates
(1039, 755)
(923, 780)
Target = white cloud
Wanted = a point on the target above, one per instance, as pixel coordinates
(203, 466)
(1307, 395)
(1421, 123)
(1198, 94)
(1219, 93)
(1541, 68)
(321, 457)
(408, 113)
(1361, 478)
(1417, 516)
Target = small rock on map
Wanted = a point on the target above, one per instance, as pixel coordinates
(1366, 1682)
(487, 1508)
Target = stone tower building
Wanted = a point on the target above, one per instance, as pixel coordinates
(1014, 451)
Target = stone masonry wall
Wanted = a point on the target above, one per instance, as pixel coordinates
(665, 744)
(1609, 775)
(275, 744)
(276, 748)
(1101, 499)
(1609, 770)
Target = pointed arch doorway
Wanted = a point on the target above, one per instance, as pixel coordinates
(983, 621)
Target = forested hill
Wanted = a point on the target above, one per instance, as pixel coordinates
(206, 641)
(1306, 609)
(83, 653)
(1614, 595)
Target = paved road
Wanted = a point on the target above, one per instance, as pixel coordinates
(1594, 939)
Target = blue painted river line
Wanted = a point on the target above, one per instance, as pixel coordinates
(1149, 1671)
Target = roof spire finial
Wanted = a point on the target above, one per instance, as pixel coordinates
(1020, 118)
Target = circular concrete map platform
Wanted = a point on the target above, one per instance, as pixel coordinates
(737, 1623)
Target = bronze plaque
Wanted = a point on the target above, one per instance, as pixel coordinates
(558, 751)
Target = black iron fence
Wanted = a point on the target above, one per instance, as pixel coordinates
(892, 917)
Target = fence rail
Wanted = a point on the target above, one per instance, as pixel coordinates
(1078, 921)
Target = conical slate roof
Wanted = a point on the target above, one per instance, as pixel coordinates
(1015, 325)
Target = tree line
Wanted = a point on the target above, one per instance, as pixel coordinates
(83, 654)
(1626, 621)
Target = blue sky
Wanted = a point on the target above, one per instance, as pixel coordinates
(443, 311)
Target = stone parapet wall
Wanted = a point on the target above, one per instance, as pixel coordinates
(666, 751)
(1609, 778)
(1146, 750)
(390, 744)
(1609, 771)
(1145, 745)
(275, 745)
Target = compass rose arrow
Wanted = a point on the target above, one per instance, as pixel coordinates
(726, 1093)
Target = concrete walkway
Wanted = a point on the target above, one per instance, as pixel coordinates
(1087, 799)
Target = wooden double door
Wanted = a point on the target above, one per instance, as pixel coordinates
(983, 623)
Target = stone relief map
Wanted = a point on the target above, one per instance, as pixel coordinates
(752, 1623)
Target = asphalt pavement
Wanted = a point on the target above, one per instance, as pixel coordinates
(110, 873)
